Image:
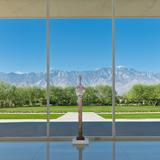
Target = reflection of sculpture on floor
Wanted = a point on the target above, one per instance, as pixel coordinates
(48, 150)
(80, 148)
(80, 151)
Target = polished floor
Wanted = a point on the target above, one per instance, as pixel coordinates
(66, 151)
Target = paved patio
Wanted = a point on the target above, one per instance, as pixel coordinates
(87, 117)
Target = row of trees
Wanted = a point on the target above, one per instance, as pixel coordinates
(99, 95)
(11, 96)
(142, 95)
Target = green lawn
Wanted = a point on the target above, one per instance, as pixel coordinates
(132, 116)
(98, 109)
(28, 116)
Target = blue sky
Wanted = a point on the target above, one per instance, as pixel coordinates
(79, 44)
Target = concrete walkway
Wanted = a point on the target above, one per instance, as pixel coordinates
(70, 120)
(73, 117)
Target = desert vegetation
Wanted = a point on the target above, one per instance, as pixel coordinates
(139, 95)
(13, 96)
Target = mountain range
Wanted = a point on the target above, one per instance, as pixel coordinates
(125, 78)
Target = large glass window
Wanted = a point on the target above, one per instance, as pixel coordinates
(81, 47)
(137, 78)
(22, 78)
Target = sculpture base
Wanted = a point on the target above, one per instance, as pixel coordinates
(77, 141)
(80, 138)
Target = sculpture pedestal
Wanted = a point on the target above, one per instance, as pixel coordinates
(80, 142)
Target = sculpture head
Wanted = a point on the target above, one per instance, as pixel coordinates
(80, 90)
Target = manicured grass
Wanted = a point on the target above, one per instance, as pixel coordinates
(132, 116)
(28, 116)
(98, 109)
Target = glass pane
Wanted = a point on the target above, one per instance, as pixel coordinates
(138, 78)
(22, 78)
(81, 47)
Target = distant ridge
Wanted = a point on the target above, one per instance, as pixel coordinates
(125, 78)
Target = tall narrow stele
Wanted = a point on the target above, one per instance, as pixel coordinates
(48, 64)
(79, 92)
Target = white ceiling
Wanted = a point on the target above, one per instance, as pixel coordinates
(78, 8)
